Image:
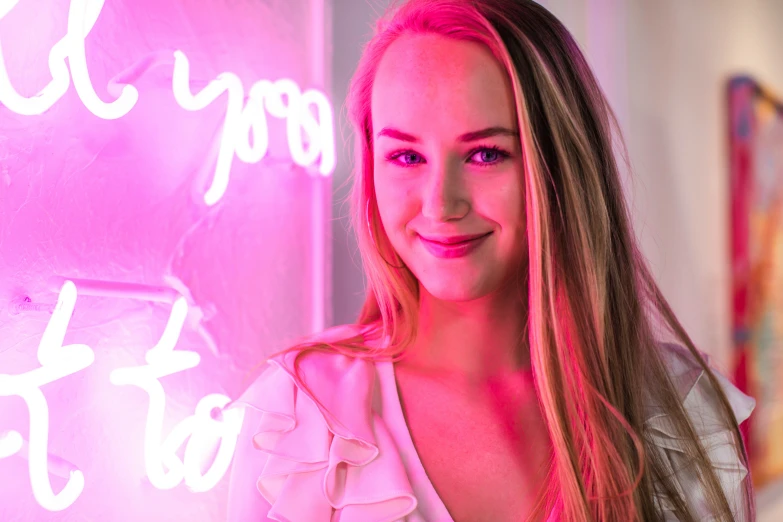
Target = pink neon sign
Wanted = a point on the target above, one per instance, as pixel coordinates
(197, 450)
(209, 428)
(244, 119)
(57, 361)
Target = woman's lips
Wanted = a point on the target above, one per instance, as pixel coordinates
(455, 247)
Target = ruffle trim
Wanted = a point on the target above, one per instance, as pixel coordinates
(703, 408)
(337, 456)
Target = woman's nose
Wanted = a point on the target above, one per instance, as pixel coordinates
(444, 194)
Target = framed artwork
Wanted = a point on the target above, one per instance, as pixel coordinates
(756, 249)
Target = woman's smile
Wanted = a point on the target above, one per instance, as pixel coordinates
(453, 247)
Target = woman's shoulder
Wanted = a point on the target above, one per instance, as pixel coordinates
(317, 373)
(694, 387)
(700, 401)
(321, 440)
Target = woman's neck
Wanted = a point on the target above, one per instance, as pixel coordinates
(474, 341)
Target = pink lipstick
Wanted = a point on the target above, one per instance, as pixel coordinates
(453, 246)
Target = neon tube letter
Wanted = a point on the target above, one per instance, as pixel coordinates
(240, 121)
(203, 431)
(57, 361)
(82, 15)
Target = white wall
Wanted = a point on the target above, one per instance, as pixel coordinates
(352, 27)
(664, 67)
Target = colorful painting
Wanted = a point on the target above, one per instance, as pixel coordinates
(756, 194)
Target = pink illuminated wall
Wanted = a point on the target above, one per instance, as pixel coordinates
(165, 171)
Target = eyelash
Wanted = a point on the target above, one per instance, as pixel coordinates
(502, 155)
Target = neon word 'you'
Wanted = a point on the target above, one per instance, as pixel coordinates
(203, 431)
(245, 120)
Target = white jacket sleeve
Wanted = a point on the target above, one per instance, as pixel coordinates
(702, 406)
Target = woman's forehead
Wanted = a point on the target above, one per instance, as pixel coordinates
(441, 82)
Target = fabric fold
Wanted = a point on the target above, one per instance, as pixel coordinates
(703, 408)
(328, 461)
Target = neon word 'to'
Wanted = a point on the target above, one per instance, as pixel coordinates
(241, 122)
(204, 431)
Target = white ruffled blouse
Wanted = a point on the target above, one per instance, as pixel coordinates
(351, 457)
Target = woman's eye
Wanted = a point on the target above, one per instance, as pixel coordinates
(488, 156)
(410, 158)
(405, 159)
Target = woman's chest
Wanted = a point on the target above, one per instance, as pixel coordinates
(482, 479)
(487, 459)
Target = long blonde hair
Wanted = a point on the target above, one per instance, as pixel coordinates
(593, 305)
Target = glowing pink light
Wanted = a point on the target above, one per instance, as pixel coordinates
(82, 16)
(235, 138)
(205, 435)
(114, 289)
(10, 443)
(164, 468)
(241, 121)
(57, 361)
(6, 6)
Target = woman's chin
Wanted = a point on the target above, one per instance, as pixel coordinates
(449, 290)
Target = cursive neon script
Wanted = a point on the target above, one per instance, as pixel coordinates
(57, 361)
(202, 430)
(243, 121)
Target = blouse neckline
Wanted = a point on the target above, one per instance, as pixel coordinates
(419, 478)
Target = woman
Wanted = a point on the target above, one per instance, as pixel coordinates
(504, 366)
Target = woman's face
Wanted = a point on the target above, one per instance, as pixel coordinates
(448, 165)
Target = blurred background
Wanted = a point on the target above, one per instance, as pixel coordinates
(177, 228)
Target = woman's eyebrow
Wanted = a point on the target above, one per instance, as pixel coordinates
(397, 134)
(487, 133)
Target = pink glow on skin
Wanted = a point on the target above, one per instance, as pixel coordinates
(240, 122)
(448, 163)
(438, 175)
